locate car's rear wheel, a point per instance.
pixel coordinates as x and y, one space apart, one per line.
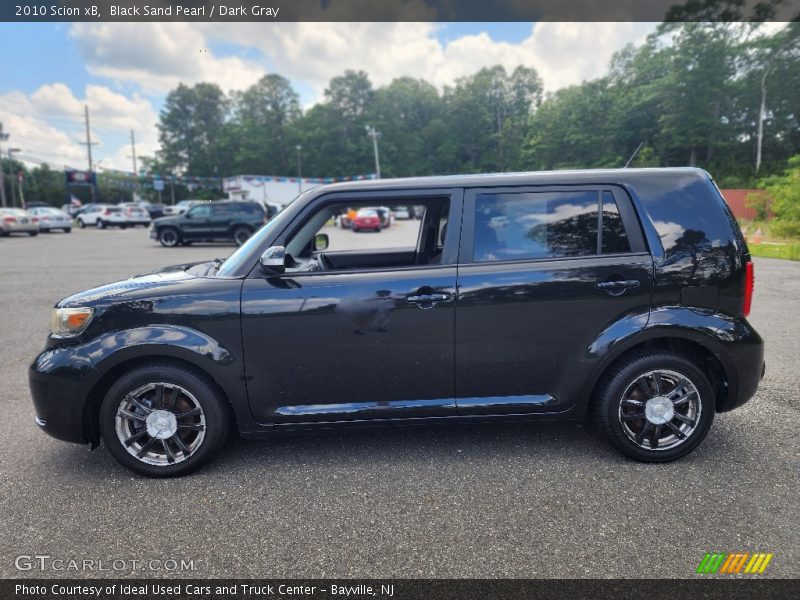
655 406
169 237
101 224
33 233
241 235
68 230
81 224
164 420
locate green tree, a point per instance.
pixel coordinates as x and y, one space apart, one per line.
784 190
487 114
190 126
408 112
260 134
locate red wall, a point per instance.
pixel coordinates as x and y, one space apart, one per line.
737 200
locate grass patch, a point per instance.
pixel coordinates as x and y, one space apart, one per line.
786 251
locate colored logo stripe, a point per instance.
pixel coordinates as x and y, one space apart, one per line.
721 562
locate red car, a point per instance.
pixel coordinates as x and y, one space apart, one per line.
366 218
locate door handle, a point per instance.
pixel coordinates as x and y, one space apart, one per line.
617 287
426 301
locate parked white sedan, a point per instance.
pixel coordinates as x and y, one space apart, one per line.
16 220
52 218
102 216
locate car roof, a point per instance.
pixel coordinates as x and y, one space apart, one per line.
566 177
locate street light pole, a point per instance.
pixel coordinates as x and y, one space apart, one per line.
3 138
299 149
375 134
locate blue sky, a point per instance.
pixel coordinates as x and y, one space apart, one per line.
124 71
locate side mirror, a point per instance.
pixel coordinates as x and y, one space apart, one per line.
274 259
321 242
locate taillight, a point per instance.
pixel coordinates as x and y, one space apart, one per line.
9 219
749 283
35 220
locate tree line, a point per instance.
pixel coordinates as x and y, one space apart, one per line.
722 96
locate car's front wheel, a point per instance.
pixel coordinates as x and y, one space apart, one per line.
241 235
164 420
169 237
655 406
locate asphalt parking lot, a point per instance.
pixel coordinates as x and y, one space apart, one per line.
493 501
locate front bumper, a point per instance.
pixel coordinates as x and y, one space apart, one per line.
60 382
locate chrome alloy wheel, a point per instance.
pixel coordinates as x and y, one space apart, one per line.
160 424
660 410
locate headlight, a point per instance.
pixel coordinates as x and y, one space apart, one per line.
69 322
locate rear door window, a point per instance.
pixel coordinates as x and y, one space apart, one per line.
543 225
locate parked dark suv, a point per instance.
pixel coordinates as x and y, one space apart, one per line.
617 295
210 222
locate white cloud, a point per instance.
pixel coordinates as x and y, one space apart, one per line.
49 124
562 53
158 56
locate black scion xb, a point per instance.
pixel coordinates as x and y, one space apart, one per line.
620 296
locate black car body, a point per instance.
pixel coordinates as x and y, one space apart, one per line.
210 222
617 295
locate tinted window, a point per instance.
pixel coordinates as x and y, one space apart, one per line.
528 225
614 237
200 211
250 209
222 210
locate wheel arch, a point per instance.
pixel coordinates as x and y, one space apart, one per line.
99 390
686 343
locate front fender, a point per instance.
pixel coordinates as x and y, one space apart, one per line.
115 347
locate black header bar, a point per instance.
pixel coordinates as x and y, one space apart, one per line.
397 10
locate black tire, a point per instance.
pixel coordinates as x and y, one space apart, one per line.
169 237
202 393
33 233
241 235
68 230
44 230
81 224
101 224
627 390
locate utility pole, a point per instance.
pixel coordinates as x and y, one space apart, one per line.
89 143
3 138
133 154
299 149
375 134
11 175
